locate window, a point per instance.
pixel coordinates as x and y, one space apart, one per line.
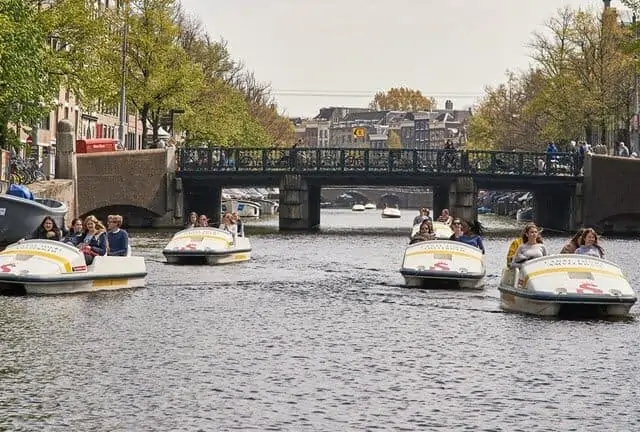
66 113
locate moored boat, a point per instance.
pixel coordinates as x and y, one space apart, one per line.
370 206
442 230
357 208
566 284
21 216
526 214
429 263
53 267
207 245
245 209
391 213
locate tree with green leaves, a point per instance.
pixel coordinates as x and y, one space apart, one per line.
159 74
27 88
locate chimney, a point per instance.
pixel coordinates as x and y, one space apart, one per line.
448 105
607 4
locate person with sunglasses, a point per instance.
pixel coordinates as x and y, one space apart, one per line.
462 232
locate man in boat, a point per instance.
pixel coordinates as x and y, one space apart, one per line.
424 215
117 238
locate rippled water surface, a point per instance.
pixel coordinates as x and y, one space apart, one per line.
315 333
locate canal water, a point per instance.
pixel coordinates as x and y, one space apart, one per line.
315 333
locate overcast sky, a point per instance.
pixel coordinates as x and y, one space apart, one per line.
340 52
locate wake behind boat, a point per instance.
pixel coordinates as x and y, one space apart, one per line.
573 284
206 245
428 262
442 230
53 267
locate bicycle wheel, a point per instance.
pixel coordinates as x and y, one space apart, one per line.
38 176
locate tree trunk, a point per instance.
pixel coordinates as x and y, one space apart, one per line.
144 118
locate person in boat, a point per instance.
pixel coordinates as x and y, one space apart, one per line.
203 221
236 220
75 235
48 230
445 217
193 220
589 244
425 233
117 238
94 239
462 232
424 215
573 244
228 225
515 244
531 247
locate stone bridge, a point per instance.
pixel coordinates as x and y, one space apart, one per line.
143 187
138 184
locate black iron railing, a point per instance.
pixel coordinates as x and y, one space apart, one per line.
339 160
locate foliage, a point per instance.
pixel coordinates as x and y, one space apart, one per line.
402 99
26 86
233 109
580 87
393 141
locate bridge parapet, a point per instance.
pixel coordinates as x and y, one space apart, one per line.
357 160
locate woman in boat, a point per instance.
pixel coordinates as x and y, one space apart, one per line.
193 220
75 235
590 246
573 244
228 225
94 239
203 221
531 247
236 220
445 217
515 244
48 230
462 232
425 233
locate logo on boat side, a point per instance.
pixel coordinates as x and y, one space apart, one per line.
6 268
440 266
588 288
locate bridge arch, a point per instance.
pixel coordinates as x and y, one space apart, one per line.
620 222
132 215
358 197
389 199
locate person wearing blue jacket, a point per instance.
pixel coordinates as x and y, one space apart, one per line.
117 237
462 232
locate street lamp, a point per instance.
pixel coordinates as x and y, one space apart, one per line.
123 84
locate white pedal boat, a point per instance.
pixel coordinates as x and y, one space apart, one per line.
53 267
429 262
206 246
567 283
357 208
370 206
442 230
391 213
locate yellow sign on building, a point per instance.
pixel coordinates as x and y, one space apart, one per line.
359 132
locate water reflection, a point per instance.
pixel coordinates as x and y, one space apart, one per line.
315 333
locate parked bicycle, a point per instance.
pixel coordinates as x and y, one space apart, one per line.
26 171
